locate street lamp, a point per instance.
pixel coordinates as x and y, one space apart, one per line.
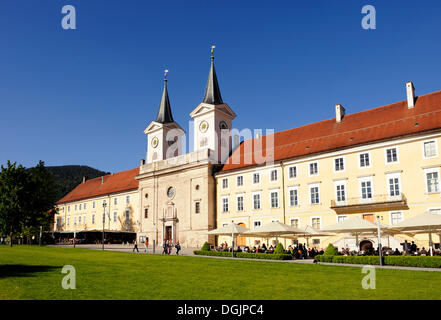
104 218
379 239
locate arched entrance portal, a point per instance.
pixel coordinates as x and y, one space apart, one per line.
366 246
241 241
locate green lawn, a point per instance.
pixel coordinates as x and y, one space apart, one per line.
35 273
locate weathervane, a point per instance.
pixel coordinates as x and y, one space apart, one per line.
212 51
165 74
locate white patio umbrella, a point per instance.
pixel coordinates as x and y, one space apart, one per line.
273 229
355 226
230 229
309 232
424 223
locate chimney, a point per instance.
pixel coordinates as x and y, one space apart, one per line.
84 179
102 179
339 112
410 90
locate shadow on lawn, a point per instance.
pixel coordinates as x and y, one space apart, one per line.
22 270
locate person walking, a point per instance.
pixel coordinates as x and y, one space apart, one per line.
169 247
135 243
164 247
146 244
178 248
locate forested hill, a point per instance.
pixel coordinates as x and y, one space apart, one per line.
68 177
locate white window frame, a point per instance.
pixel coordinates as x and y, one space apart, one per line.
341 216
271 175
237 202
365 179
424 151
385 155
431 170
115 216
393 176
224 183
344 164
227 203
260 200
93 218
309 169
254 221
396 211
359 160
339 183
314 185
294 219
316 217
115 201
278 198
289 196
289 173
239 177
257 174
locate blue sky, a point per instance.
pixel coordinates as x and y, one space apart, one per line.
85 96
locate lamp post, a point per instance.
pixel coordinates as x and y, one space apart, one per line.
379 239
75 232
104 218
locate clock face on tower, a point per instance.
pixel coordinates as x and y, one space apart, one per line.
171 192
155 142
223 125
203 126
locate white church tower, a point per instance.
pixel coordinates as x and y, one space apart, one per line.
164 134
213 120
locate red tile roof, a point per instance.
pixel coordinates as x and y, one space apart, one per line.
391 121
117 182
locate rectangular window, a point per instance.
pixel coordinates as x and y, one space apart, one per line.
394 186
256 224
76 208
435 211
239 203
341 218
197 207
293 198
75 221
432 182
274 199
340 192
115 216
292 172
295 223
256 201
239 181
115 201
79 219
68 221
146 213
366 189
127 199
84 206
93 205
225 204
315 195
339 164
224 183
127 215
80 207
391 155
274 175
315 223
68 208
395 218
429 149
313 169
364 160
93 218
256 178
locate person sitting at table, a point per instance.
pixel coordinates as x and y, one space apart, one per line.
423 252
264 247
396 252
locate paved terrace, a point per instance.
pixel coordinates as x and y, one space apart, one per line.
189 252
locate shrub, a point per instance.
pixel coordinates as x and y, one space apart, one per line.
205 247
279 249
403 261
244 255
331 250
